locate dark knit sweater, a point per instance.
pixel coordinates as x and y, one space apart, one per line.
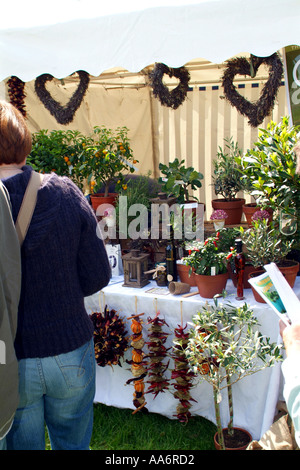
63 261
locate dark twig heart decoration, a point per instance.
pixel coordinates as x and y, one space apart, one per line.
256 112
175 97
63 114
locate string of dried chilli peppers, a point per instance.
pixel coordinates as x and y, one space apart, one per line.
138 365
16 93
182 375
157 353
110 341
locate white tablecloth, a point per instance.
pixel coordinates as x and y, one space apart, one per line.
255 397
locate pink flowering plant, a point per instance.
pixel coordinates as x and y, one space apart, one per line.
219 214
260 215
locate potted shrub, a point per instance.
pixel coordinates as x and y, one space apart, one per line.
227 182
58 151
269 168
179 179
208 263
225 346
265 244
106 159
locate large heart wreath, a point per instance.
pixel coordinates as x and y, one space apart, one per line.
256 112
63 114
175 97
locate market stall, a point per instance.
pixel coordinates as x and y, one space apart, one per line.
260 392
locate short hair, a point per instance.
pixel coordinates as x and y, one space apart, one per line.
15 137
297 152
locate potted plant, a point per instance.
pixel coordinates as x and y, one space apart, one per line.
227 182
179 179
208 263
219 217
58 151
106 160
269 168
265 244
225 346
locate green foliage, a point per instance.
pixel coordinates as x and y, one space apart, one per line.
264 243
99 159
227 177
179 179
106 158
208 255
58 151
225 346
269 169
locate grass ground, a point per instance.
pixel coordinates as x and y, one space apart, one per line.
119 429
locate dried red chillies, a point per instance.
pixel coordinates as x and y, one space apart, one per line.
182 375
110 341
157 354
16 93
138 365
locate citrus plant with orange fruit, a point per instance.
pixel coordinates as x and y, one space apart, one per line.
58 151
224 346
106 159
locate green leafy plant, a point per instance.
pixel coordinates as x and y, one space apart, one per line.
269 170
208 255
227 177
264 243
106 159
225 346
179 179
58 151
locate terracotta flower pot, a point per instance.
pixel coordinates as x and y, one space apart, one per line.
183 273
209 286
256 295
239 441
233 208
249 209
289 269
99 199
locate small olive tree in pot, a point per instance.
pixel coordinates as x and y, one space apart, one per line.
224 346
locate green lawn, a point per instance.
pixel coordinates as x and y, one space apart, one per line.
119 429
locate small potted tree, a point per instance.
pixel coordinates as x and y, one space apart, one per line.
105 160
269 170
227 182
225 346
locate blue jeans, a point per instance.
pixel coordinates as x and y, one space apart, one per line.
58 391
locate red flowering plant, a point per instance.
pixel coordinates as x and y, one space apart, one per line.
209 258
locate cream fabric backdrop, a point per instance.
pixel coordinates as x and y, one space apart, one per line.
157 133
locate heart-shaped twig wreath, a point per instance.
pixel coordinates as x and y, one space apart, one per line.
175 97
63 114
256 112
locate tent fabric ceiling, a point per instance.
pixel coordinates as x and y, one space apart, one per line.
214 30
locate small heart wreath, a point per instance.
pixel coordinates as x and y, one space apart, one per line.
256 112
173 98
16 93
63 114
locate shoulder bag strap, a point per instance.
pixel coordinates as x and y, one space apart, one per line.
28 205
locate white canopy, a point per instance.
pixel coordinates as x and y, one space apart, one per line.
62 37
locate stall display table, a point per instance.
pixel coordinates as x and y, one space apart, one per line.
255 397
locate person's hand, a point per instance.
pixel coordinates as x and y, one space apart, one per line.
291 337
